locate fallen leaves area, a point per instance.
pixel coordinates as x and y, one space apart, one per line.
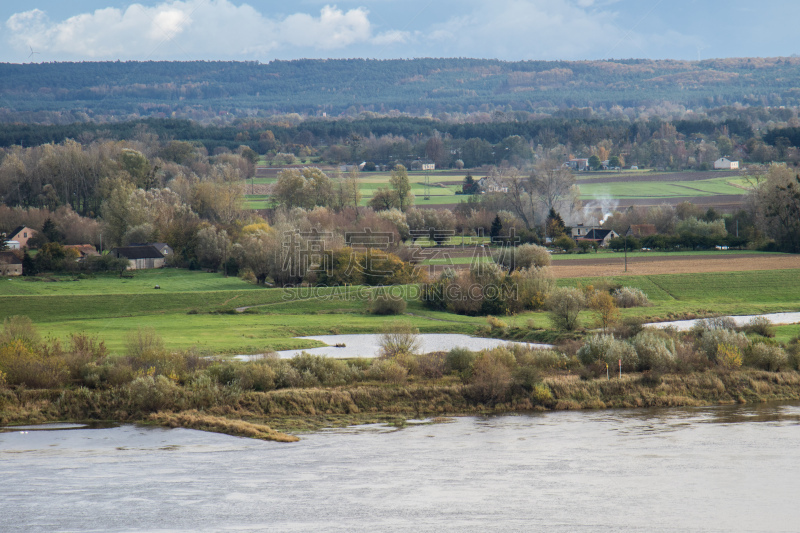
643 266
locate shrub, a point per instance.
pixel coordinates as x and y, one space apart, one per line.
565 304
710 340
523 256
766 357
539 358
630 327
655 350
491 375
431 365
387 370
534 284
387 305
759 325
630 297
565 243
23 365
459 360
399 338
713 324
606 308
729 356
607 349
526 377
322 370
20 328
149 394
258 376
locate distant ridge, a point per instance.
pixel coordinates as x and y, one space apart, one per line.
201 89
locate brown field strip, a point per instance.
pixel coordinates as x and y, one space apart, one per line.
644 266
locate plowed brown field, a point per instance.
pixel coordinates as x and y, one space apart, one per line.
642 266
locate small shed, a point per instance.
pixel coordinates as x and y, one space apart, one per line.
723 163
10 264
140 257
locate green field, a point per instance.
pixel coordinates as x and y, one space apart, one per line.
673 186
666 189
198 309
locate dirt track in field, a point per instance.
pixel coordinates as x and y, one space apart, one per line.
643 266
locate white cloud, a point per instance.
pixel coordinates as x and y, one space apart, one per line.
188 29
541 29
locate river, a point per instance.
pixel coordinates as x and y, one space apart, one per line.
716 469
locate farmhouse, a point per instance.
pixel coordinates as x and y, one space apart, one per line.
490 184
418 164
723 163
10 264
140 257
21 234
600 236
578 164
579 230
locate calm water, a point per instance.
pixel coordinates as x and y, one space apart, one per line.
710 469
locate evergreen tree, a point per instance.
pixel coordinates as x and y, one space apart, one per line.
497 227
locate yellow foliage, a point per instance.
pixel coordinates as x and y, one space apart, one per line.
255 228
729 356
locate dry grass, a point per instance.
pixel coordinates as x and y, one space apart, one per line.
204 422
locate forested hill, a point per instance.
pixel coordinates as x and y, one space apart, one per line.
68 92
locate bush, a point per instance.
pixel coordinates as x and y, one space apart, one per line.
534 285
607 349
565 243
257 375
712 324
759 325
710 340
630 327
23 365
387 370
459 360
320 370
630 297
565 304
729 356
399 338
491 375
150 394
387 305
655 350
523 256
431 365
766 357
20 328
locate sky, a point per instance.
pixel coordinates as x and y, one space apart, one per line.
264 30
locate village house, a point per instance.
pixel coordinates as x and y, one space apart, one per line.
140 256
580 231
21 234
419 164
577 164
490 184
10 264
723 163
601 237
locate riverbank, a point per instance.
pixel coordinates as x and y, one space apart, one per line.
281 414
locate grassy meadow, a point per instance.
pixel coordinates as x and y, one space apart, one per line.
199 309
444 184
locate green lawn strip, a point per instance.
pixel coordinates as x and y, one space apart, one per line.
710 187
143 281
244 333
787 333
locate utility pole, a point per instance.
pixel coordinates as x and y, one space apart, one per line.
626 250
